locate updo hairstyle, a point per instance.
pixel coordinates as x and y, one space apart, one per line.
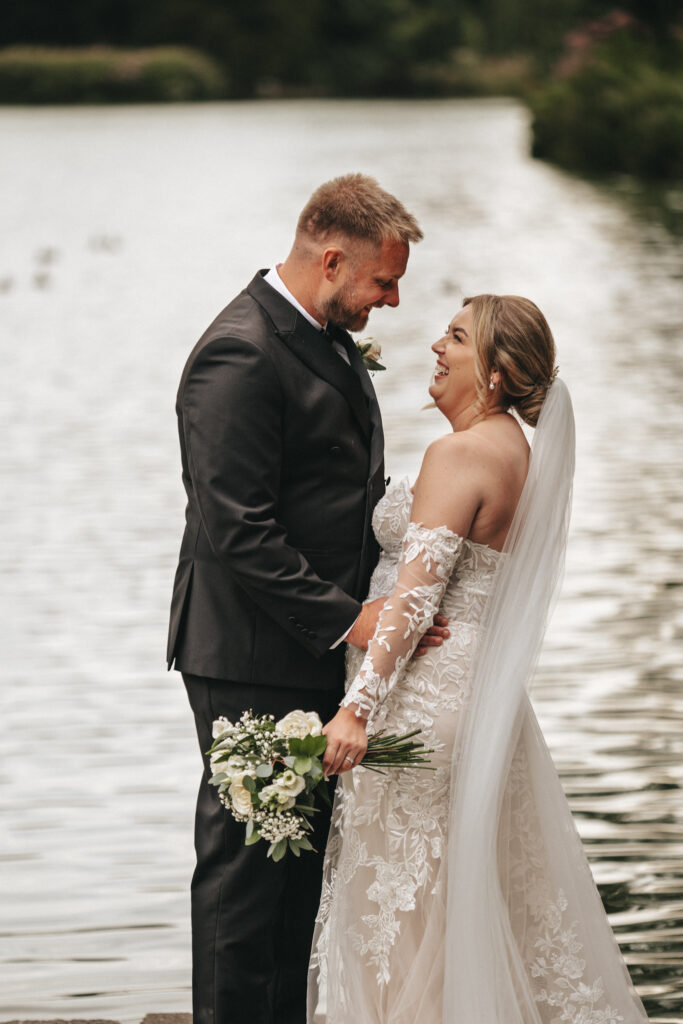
511 335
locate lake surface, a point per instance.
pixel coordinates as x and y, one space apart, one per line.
123 232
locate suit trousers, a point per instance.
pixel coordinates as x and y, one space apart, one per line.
252 919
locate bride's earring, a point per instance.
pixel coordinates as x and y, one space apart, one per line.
491 384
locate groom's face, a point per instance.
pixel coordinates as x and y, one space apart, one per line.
368 280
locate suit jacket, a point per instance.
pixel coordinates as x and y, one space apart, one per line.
282 455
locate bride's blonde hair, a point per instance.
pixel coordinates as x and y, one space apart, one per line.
511 335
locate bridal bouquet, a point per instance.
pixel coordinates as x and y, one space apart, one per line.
269 773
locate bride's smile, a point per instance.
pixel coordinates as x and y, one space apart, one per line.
454 352
453 386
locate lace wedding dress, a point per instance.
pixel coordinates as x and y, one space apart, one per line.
390 946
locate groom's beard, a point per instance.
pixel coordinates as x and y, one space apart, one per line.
341 310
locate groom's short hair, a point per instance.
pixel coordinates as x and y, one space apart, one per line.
356 206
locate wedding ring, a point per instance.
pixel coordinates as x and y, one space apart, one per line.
349 759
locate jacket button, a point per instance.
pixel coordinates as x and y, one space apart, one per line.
335 450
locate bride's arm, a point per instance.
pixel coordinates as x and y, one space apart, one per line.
447 496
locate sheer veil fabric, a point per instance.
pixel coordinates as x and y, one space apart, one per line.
527 940
463 895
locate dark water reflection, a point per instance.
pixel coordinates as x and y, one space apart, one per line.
124 231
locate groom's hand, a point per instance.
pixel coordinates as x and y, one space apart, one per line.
434 636
363 629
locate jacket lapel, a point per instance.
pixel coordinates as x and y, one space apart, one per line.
316 352
358 366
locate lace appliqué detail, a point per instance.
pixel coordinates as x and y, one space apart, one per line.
559 962
384 873
428 559
394 874
552 950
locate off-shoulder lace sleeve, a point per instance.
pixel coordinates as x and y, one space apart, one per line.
428 558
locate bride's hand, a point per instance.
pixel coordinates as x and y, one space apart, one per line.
347 742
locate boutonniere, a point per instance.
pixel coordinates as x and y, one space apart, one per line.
370 351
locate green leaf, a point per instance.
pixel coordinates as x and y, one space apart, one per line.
296 747
289 761
250 827
253 838
249 783
304 844
314 776
294 848
264 771
311 746
321 790
278 850
302 765
306 808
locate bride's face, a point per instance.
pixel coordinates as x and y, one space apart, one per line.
453 386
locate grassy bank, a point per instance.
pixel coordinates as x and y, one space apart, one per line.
39 75
614 104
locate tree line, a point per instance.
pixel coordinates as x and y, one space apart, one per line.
314 47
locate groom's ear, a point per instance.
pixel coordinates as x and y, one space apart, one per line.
332 261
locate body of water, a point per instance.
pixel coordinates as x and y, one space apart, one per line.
124 231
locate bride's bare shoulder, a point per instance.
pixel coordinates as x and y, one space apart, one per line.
451 483
470 480
487 444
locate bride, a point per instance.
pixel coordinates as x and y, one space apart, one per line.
462 895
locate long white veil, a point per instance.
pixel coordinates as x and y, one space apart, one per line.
527 940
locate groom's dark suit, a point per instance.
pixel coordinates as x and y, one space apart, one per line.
281 445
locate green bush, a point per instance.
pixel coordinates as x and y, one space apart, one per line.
105 75
619 111
469 73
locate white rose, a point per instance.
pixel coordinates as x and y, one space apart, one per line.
375 351
240 798
222 727
299 724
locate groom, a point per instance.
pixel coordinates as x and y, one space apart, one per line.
282 458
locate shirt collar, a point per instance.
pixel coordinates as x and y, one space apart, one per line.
275 281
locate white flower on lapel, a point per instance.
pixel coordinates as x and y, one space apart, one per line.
370 351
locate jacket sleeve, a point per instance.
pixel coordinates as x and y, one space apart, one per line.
230 407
